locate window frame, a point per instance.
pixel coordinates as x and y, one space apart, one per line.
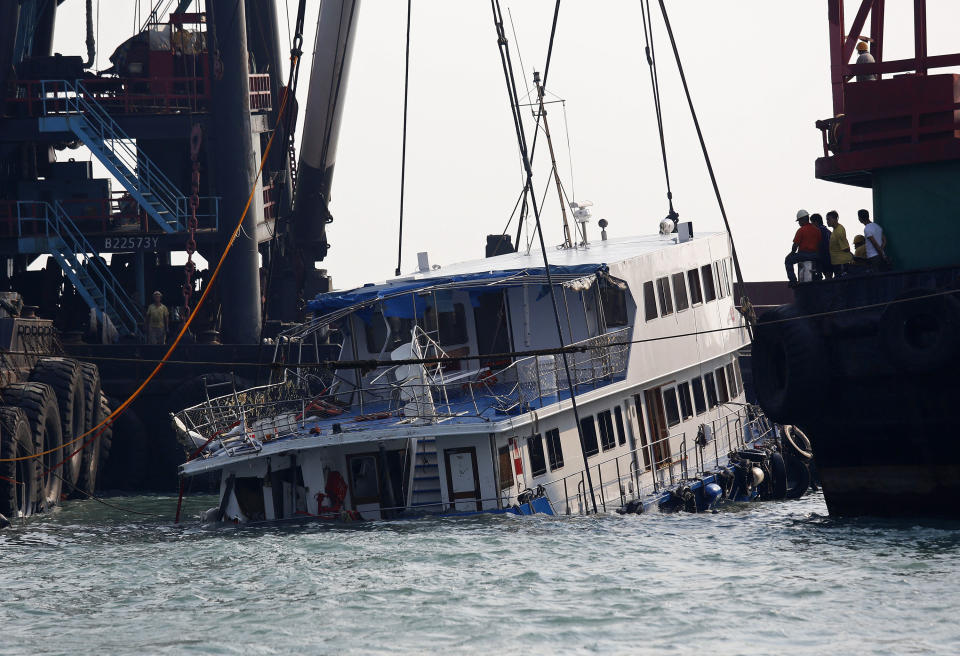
532 457
608 439
614 318
699 400
618 422
680 291
665 296
554 449
693 283
709 292
672 390
723 391
650 301
711 389
588 427
683 396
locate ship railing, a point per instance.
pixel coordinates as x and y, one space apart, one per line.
652 468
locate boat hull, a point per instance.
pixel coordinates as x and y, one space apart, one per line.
874 387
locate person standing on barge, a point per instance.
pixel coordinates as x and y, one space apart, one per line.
157 320
876 242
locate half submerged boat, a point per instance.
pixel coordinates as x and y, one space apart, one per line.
451 396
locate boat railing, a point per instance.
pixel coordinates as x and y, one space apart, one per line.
651 468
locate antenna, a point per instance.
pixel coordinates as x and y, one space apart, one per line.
567 242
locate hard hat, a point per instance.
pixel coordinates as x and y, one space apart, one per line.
862 46
803 214
157 293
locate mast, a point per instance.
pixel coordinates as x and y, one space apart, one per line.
567 242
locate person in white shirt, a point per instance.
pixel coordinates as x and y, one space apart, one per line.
876 242
865 58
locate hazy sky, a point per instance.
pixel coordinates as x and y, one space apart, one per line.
758 71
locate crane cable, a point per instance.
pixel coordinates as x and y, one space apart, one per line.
650 52
525 154
183 330
703 146
403 156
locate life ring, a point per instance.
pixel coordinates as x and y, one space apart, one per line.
788 360
800 443
919 330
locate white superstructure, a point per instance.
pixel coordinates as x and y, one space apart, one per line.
654 367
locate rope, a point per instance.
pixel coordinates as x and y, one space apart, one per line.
403 156
655 86
512 91
703 145
183 330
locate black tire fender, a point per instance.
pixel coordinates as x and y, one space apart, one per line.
66 378
90 457
39 403
788 359
919 331
19 480
798 476
778 476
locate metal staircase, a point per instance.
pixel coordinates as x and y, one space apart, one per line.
80 262
70 107
425 476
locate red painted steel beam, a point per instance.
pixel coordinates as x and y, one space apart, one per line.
857 28
876 30
903 65
837 63
920 35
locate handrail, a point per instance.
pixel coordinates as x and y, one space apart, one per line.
56 219
144 175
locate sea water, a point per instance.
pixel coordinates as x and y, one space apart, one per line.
765 578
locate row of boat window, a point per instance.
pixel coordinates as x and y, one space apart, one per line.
690 288
606 431
701 393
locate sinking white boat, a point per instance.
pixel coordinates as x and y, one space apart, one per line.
452 395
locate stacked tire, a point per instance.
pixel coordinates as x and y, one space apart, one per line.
38 403
19 470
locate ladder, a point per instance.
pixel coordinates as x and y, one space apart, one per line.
424 476
87 271
70 107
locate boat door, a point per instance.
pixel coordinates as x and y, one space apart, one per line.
658 426
463 479
365 484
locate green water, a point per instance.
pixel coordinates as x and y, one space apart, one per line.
772 578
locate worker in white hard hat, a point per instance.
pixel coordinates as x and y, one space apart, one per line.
865 58
806 245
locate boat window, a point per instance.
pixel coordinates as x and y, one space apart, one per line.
491 324
618 418
722 386
365 483
699 403
505 465
449 324
642 432
377 332
732 381
723 289
589 429
728 276
663 293
686 406
680 292
696 295
711 390
736 376
614 302
709 291
670 405
607 439
554 449
538 465
649 301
